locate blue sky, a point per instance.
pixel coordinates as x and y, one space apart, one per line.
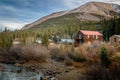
16 13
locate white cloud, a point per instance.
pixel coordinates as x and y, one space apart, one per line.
71 3
20 17
8 8
24 15
76 3
12 25
14 9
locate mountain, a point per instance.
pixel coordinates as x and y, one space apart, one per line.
92 11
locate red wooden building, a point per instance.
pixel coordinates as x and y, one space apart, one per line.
84 36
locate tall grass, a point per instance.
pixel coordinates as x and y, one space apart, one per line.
37 53
100 61
21 54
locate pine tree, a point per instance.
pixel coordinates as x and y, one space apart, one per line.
104 57
45 41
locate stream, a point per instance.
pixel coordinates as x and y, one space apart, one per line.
11 72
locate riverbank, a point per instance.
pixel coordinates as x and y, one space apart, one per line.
11 72
48 70
54 69
64 62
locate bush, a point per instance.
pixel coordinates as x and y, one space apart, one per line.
118 48
21 54
69 62
110 49
29 53
57 54
79 55
97 72
104 57
77 65
117 57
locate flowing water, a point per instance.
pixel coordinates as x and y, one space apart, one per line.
11 72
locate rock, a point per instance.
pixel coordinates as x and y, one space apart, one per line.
53 78
17 64
1 68
49 78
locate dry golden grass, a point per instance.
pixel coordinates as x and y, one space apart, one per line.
77 65
21 54
38 53
117 57
118 48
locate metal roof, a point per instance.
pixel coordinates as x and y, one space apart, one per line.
67 40
117 35
86 32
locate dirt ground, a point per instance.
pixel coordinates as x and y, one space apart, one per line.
57 70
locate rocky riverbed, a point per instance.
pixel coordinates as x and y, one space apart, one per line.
50 70
11 72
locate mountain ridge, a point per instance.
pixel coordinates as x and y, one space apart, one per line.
90 11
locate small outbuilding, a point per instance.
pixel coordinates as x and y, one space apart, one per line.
115 39
69 41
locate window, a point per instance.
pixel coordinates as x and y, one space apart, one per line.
88 36
80 36
93 36
96 36
115 39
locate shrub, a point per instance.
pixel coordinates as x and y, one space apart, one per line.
21 54
97 72
114 71
117 57
34 53
78 55
4 56
110 49
15 52
77 65
118 48
104 57
57 54
92 54
69 62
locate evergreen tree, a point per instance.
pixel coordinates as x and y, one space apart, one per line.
45 41
104 57
6 40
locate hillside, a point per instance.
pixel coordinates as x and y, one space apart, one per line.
92 11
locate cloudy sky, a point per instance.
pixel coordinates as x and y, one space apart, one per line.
16 13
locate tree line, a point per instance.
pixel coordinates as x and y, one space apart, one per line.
108 27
